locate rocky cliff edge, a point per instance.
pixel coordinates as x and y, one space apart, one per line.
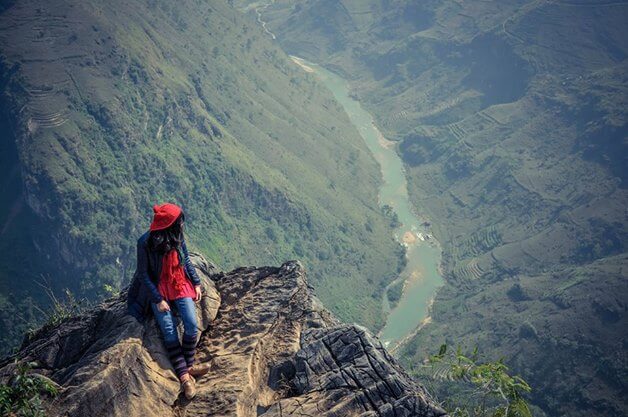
274 351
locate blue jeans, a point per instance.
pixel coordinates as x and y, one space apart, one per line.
168 321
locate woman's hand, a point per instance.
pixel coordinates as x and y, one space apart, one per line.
197 288
163 306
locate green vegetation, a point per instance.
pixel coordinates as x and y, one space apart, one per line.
58 310
511 119
146 102
394 293
474 389
392 215
21 397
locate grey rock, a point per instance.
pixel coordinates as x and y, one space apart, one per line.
344 371
273 348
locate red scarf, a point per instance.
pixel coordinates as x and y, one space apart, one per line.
172 274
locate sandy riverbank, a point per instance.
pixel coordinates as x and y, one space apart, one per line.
300 63
385 143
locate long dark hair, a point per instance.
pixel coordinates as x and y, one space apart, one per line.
162 241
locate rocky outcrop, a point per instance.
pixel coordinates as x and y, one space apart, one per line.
274 350
344 371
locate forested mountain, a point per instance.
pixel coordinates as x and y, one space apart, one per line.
111 107
511 120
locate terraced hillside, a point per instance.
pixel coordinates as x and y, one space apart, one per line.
511 119
111 107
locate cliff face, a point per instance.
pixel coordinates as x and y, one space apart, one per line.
274 351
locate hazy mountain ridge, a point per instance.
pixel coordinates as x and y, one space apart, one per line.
109 108
511 119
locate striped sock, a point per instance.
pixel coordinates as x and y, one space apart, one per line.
176 358
189 348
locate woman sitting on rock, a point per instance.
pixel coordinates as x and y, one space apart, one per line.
167 280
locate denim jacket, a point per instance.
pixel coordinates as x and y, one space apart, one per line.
143 289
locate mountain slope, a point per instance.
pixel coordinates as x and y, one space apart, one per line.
109 108
511 120
274 350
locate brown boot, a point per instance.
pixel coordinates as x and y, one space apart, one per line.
198 369
189 387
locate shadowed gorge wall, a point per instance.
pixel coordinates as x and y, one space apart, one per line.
511 119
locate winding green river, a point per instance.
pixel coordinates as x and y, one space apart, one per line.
421 277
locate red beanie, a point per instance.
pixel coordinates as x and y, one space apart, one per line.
164 216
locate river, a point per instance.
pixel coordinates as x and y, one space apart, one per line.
421 277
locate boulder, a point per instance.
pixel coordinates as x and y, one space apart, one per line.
273 348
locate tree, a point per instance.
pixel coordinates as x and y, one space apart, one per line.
22 395
483 389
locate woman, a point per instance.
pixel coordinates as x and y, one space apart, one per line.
167 281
